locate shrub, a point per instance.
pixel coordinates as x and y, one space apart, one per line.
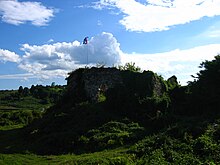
161 147
18 117
113 134
206 148
130 67
156 157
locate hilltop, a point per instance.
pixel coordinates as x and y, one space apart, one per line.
149 119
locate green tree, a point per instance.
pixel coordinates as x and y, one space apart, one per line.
20 90
53 84
205 91
26 91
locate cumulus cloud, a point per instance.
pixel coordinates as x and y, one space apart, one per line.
105 49
59 58
159 15
16 13
6 55
182 63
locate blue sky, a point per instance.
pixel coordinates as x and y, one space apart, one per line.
41 41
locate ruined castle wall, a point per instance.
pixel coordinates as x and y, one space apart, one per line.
91 81
97 79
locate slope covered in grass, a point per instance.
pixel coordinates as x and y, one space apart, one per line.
139 118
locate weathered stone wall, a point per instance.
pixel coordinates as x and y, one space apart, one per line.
157 86
96 79
89 82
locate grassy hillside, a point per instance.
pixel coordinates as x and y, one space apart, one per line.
144 120
110 157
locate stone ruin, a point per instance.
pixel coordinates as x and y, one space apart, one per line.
92 81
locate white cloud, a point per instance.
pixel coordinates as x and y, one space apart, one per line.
6 55
59 58
104 48
102 4
16 13
212 32
50 40
159 15
18 76
182 63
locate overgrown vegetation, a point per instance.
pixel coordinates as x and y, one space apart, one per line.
128 124
15 117
130 66
22 106
36 98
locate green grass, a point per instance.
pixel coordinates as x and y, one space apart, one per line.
28 102
14 145
11 127
107 157
16 159
7 108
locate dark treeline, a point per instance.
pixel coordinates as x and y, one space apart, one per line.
47 94
22 106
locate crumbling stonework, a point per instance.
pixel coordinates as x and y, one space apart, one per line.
157 86
88 83
97 79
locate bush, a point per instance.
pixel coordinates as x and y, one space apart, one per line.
111 134
156 157
164 149
207 146
18 117
130 67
